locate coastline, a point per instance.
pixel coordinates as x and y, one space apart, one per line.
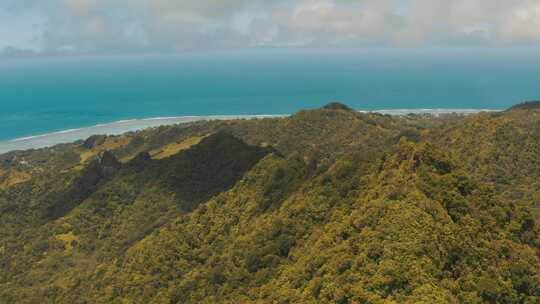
113 128
130 125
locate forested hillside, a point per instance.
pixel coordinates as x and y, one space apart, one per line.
324 206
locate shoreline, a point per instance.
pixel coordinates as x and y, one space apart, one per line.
131 125
112 128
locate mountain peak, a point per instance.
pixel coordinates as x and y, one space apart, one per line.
337 106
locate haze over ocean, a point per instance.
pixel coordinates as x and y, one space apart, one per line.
40 95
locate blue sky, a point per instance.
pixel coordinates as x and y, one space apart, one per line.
169 26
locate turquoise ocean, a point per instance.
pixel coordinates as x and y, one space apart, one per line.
42 95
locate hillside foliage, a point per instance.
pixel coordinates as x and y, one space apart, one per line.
324 206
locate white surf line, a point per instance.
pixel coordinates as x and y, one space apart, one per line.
131 125
113 128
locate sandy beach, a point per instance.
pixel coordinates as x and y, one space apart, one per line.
123 126
114 128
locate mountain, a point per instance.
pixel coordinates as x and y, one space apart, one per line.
526 106
325 206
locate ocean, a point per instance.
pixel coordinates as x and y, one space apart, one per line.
44 95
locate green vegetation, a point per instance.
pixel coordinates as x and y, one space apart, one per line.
325 206
337 106
528 105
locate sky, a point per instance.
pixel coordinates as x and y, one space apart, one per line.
170 26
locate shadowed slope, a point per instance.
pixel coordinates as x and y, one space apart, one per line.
97 213
210 167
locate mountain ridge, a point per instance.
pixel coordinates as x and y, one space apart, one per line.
326 206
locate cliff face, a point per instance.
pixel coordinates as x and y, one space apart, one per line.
325 206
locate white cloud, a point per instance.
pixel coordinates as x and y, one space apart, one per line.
175 25
522 24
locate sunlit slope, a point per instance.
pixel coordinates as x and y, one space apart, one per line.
502 149
412 227
324 206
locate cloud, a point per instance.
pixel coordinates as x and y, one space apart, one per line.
10 51
109 26
522 24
